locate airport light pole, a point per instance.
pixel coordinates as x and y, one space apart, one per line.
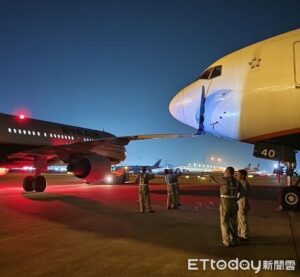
216 161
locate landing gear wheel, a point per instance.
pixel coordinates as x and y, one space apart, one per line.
40 183
28 183
290 198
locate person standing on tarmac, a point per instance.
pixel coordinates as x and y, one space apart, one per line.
229 189
170 189
176 188
144 192
243 204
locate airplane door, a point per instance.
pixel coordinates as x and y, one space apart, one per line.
297 63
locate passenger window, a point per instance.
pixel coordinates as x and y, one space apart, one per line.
217 72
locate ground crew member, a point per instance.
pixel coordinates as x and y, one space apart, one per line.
177 190
243 228
170 189
229 189
144 192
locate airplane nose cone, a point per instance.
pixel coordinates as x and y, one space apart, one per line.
176 107
185 106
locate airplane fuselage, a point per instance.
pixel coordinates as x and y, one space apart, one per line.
251 95
26 136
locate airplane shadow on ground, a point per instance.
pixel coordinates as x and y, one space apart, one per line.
84 203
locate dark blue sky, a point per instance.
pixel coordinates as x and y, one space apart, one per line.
117 64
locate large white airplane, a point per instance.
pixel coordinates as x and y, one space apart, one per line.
251 95
88 153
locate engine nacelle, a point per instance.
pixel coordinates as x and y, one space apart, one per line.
90 168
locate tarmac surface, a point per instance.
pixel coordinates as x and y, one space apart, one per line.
75 229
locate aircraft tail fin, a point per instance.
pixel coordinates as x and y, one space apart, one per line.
157 163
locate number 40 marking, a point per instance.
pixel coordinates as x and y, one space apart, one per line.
269 153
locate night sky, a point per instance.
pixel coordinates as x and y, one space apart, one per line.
115 65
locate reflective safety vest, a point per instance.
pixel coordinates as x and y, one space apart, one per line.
170 179
145 177
231 189
142 179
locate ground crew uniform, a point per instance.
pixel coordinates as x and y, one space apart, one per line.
144 192
229 189
170 191
176 187
243 228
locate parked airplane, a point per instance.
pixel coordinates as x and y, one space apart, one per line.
120 173
88 153
251 95
138 168
248 167
257 167
252 170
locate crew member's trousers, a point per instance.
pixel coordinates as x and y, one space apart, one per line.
243 227
177 194
144 198
228 218
171 196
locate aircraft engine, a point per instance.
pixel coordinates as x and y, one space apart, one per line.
90 168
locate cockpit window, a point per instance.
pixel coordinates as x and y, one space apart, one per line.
205 75
217 72
211 73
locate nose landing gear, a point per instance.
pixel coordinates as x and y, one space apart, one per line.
290 195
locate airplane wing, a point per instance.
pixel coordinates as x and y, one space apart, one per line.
127 139
99 146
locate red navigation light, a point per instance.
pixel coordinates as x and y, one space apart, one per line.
22 114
